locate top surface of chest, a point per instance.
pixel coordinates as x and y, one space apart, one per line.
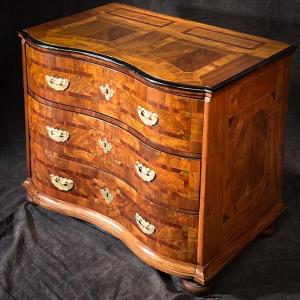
161 48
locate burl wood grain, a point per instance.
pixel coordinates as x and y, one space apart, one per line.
180 119
164 47
175 233
177 179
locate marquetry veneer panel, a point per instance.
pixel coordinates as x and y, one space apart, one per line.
177 180
175 233
180 119
167 48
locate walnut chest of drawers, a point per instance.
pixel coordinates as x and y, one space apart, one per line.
166 133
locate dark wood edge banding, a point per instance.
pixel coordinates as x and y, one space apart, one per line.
150 257
117 123
151 79
25 90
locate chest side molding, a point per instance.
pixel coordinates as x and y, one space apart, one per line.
161 49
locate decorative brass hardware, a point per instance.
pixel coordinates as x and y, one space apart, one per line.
143 172
61 183
105 145
108 197
58 135
58 84
147 117
106 91
145 226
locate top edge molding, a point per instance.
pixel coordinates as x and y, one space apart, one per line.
206 91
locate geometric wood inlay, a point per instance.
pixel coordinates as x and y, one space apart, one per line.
98 30
167 48
220 37
188 59
247 146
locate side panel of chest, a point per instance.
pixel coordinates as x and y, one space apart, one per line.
242 164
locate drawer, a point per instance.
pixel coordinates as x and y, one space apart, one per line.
167 232
165 120
172 181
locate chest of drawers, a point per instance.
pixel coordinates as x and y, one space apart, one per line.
166 133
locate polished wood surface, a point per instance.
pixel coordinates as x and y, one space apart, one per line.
164 47
164 263
175 233
180 119
241 164
213 146
177 179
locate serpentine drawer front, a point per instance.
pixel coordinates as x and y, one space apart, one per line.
175 182
164 119
166 133
175 233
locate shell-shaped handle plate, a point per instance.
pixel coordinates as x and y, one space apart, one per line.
144 173
147 117
107 195
56 83
105 145
145 226
106 91
58 135
63 184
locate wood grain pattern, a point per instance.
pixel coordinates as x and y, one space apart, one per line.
25 89
240 184
166 48
175 233
180 119
177 179
163 263
221 102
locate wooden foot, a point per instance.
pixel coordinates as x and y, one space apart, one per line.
197 289
272 229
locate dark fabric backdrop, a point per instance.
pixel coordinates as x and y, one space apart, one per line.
44 255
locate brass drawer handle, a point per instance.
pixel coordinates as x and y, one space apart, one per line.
58 135
105 145
106 91
145 226
56 83
147 117
63 184
106 194
143 172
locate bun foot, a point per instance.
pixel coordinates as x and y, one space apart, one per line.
272 229
197 289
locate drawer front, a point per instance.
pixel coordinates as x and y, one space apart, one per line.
162 178
167 232
164 119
